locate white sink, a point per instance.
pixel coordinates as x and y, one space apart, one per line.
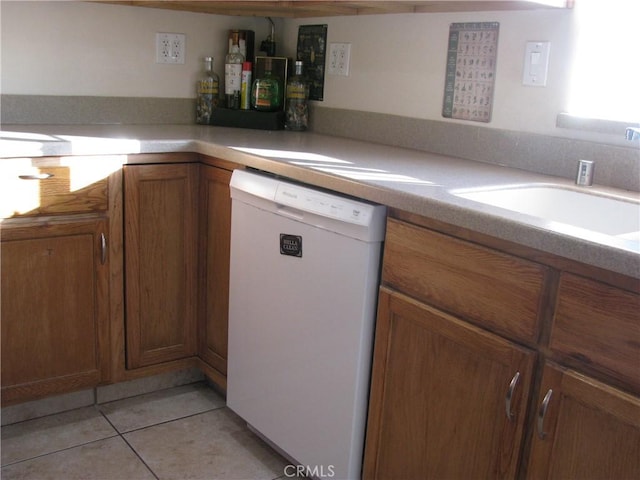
613 216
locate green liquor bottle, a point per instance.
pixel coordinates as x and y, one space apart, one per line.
265 92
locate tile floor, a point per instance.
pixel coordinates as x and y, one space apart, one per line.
179 433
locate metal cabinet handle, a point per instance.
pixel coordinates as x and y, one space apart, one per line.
36 176
542 411
103 248
512 387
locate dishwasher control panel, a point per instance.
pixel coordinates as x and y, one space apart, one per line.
312 201
322 208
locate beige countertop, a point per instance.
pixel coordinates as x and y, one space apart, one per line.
415 181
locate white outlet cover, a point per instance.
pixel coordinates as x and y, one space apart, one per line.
339 57
170 48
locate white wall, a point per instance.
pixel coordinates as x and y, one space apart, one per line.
397 61
398 65
78 48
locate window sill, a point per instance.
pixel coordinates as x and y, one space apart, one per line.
601 131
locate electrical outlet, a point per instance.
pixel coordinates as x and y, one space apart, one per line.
339 56
170 48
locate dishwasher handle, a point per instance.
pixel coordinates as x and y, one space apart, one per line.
289 212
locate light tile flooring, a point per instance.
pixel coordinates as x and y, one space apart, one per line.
180 433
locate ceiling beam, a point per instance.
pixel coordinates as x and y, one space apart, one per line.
319 8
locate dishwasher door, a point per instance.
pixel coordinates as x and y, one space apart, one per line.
301 320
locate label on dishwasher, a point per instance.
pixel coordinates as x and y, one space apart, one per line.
319 203
291 245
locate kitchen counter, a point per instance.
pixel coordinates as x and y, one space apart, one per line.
410 180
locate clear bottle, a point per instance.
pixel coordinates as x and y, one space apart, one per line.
208 93
297 96
266 90
233 74
245 87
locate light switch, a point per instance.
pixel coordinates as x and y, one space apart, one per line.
536 64
535 58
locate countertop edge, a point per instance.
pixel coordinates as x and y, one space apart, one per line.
217 142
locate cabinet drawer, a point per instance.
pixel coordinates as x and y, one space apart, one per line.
53 186
599 325
492 289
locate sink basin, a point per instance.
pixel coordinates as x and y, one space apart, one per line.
614 216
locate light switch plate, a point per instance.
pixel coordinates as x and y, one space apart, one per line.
536 64
339 56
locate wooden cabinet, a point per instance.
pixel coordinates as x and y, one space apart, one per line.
215 237
55 264
55 308
54 186
160 215
588 416
598 325
584 429
453 316
448 399
492 289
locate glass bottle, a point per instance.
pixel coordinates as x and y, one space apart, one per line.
296 106
208 92
233 74
265 92
245 86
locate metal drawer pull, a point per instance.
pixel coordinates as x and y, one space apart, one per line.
541 414
103 247
512 387
36 176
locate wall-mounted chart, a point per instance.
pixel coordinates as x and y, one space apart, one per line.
471 71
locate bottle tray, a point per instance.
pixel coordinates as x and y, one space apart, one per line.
224 117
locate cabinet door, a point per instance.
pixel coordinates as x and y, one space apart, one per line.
443 400
160 262
215 228
55 307
584 429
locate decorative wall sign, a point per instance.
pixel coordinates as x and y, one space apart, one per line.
471 71
312 46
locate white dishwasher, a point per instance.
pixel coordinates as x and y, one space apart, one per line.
303 288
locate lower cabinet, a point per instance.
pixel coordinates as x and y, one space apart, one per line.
586 426
455 393
55 307
160 216
448 399
215 236
584 429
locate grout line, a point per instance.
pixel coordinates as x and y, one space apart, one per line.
53 414
190 384
116 434
164 422
121 435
